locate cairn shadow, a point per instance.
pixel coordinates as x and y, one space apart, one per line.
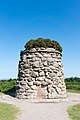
11 92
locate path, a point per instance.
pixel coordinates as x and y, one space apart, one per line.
42 111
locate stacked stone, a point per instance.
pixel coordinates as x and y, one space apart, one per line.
40 74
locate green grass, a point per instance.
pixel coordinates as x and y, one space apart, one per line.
74 112
73 86
73 91
8 112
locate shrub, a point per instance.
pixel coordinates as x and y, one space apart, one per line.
7 85
72 79
41 42
73 83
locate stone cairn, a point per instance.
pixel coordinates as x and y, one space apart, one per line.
40 74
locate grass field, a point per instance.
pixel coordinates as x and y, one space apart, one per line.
74 112
73 86
8 112
73 91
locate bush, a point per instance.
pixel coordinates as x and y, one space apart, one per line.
73 83
41 42
72 79
7 85
74 86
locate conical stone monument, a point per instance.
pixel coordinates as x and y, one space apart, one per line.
40 72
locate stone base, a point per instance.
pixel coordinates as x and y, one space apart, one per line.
56 99
40 75
41 97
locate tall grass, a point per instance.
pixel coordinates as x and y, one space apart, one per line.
74 112
8 112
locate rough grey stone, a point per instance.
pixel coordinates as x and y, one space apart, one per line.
24 57
36 64
45 63
33 50
50 60
27 75
43 59
39 55
34 74
52 67
29 91
48 81
37 59
27 87
47 55
37 83
33 87
40 74
40 78
50 49
44 83
30 83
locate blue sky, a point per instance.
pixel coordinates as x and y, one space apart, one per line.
22 20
